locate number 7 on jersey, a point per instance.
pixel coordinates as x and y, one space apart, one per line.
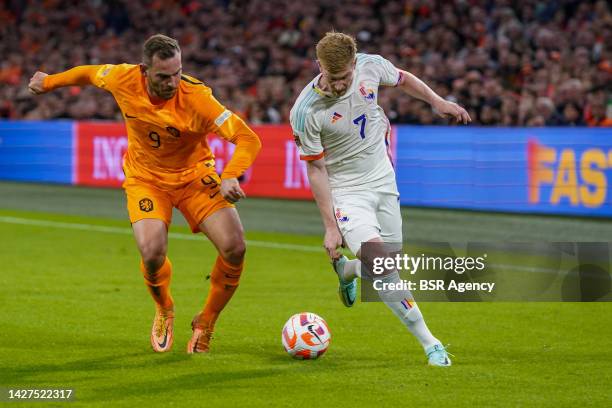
361 120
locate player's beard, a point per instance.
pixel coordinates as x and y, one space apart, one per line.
159 91
165 93
168 94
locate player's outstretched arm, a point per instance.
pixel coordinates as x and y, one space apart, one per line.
248 146
413 86
319 184
36 85
79 76
233 129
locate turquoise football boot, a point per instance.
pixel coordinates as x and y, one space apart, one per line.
438 356
346 290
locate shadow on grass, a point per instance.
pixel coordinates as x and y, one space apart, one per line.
339 360
168 385
217 374
101 364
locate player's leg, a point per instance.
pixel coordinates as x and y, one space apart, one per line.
356 220
152 240
402 302
224 229
150 212
207 211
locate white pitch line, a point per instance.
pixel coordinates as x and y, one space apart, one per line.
519 268
193 237
128 231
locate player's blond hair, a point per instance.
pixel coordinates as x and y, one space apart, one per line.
336 51
162 46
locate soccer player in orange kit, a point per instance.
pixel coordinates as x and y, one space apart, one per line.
168 164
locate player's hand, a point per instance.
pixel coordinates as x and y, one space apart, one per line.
36 83
450 110
231 191
332 241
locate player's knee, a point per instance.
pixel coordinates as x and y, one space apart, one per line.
234 250
153 257
152 264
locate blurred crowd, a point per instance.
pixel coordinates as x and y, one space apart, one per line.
509 62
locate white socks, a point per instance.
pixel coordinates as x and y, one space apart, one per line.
400 302
407 311
352 270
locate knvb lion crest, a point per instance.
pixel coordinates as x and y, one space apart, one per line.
146 205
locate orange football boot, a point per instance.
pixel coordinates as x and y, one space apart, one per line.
162 332
202 334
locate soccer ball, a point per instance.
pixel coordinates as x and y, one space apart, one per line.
306 336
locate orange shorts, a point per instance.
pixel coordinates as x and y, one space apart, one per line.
196 200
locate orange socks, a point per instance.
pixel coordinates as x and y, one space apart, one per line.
223 283
159 284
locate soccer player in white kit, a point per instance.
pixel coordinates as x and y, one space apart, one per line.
343 135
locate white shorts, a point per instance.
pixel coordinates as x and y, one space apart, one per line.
363 215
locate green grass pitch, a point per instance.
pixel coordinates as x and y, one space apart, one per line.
76 314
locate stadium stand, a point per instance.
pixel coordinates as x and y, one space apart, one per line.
511 63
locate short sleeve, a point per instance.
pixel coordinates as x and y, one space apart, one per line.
386 73
307 135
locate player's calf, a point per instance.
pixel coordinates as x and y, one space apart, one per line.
158 283
224 281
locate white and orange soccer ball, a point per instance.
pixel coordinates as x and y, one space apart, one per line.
306 336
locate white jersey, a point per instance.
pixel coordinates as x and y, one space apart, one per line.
351 131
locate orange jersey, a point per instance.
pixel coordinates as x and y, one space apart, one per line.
167 142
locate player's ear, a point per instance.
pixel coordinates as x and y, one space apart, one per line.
319 65
143 68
